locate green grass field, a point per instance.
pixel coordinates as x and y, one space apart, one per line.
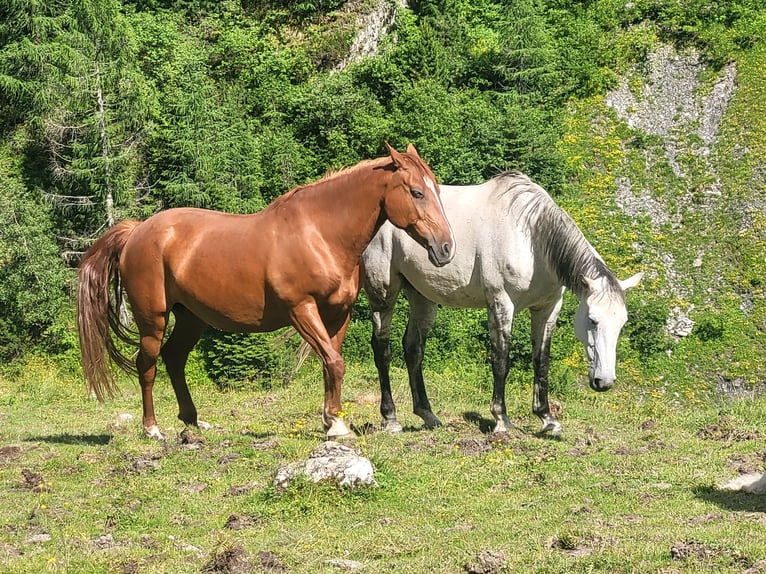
631 486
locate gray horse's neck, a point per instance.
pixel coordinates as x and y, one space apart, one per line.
552 230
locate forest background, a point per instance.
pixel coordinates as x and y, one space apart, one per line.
114 109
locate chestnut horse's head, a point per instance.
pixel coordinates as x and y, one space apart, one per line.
413 204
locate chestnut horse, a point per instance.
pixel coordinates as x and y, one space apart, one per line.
297 262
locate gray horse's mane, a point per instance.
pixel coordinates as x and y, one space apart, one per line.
554 232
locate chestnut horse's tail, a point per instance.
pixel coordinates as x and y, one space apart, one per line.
99 300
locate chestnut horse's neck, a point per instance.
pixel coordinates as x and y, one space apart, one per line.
346 207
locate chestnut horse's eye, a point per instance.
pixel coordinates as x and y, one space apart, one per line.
417 194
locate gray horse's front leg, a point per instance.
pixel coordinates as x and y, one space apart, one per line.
543 322
381 350
500 322
421 320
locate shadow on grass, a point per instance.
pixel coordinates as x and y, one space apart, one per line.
72 439
730 500
486 425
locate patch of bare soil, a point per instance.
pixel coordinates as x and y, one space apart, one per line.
191 440
473 446
691 550
747 463
724 430
242 489
270 562
9 453
488 562
240 521
578 546
34 481
228 560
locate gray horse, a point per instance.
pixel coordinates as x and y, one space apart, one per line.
516 250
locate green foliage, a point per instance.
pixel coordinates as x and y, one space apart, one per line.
227 105
709 327
34 284
231 359
646 326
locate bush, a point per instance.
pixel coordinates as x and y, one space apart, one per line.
646 327
232 358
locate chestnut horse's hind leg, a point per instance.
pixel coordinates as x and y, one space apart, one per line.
175 352
308 323
151 333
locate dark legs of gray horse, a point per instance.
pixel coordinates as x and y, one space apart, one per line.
421 319
543 321
419 325
381 349
500 322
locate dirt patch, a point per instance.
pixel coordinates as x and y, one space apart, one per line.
724 430
240 521
578 546
242 489
473 446
488 562
686 550
747 463
228 560
270 562
191 440
9 453
34 481
698 551
266 444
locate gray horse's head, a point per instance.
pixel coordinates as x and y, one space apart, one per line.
598 322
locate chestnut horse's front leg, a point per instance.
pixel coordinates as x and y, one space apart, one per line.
308 322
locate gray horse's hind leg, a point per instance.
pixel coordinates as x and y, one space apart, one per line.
419 325
500 322
543 321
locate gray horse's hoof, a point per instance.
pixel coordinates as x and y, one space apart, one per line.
552 427
430 421
392 426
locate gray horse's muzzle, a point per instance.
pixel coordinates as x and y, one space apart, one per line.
600 385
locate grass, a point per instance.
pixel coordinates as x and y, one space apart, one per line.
629 487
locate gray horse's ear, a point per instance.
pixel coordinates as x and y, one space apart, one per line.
588 282
631 282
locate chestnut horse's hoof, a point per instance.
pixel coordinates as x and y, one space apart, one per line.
337 429
154 432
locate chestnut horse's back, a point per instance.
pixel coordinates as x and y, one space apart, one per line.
97 312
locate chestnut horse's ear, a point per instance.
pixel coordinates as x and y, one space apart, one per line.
412 151
396 157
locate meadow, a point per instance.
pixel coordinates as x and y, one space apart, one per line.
630 486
